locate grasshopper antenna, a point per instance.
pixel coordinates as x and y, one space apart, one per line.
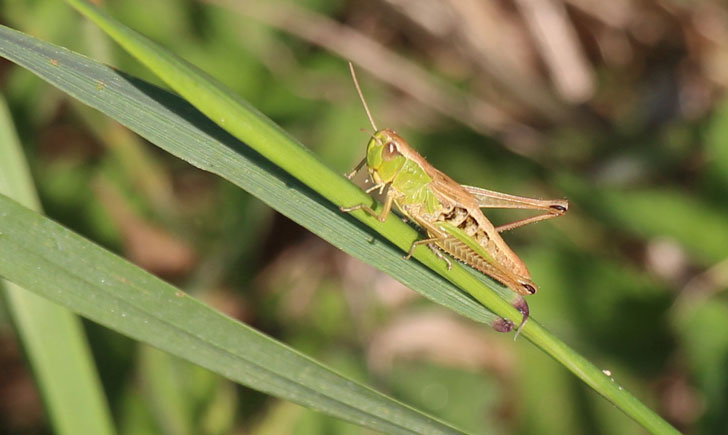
361 96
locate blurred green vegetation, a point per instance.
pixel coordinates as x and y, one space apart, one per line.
633 277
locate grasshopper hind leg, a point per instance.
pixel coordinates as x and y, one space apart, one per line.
499 324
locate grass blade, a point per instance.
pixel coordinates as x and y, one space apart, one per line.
106 289
258 132
175 126
52 337
149 110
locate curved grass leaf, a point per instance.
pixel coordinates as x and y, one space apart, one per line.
167 120
50 260
257 131
269 140
175 126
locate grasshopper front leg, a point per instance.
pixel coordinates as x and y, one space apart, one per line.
386 209
356 169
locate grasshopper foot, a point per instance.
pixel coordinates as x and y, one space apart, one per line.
432 247
520 304
439 255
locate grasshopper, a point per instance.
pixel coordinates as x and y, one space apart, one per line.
448 212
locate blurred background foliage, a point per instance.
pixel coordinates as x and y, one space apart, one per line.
618 106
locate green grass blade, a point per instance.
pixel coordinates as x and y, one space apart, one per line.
257 131
178 128
50 260
261 134
52 336
130 102
270 141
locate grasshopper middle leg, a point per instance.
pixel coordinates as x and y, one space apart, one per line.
431 244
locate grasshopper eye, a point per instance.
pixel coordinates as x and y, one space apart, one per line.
390 151
560 208
529 288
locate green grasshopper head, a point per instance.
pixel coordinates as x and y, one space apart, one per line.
384 158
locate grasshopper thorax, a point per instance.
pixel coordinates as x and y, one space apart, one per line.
384 156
